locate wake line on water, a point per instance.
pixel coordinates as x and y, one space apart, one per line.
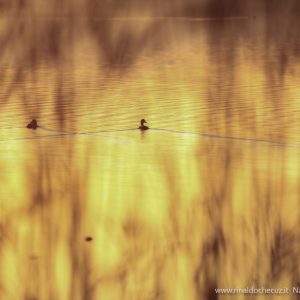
61 133
86 132
226 137
33 138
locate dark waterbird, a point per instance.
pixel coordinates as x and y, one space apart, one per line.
143 127
33 124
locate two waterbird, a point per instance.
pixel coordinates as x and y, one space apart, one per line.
34 125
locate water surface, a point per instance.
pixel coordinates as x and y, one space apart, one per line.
207 198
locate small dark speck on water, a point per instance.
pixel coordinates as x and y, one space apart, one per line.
33 257
88 239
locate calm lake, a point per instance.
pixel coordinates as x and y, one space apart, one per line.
93 208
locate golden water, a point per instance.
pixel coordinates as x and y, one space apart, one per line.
208 199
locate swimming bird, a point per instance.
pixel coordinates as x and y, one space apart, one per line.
33 124
143 127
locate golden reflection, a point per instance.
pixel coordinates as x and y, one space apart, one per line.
92 208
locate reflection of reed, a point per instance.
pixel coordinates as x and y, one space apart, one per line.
58 211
